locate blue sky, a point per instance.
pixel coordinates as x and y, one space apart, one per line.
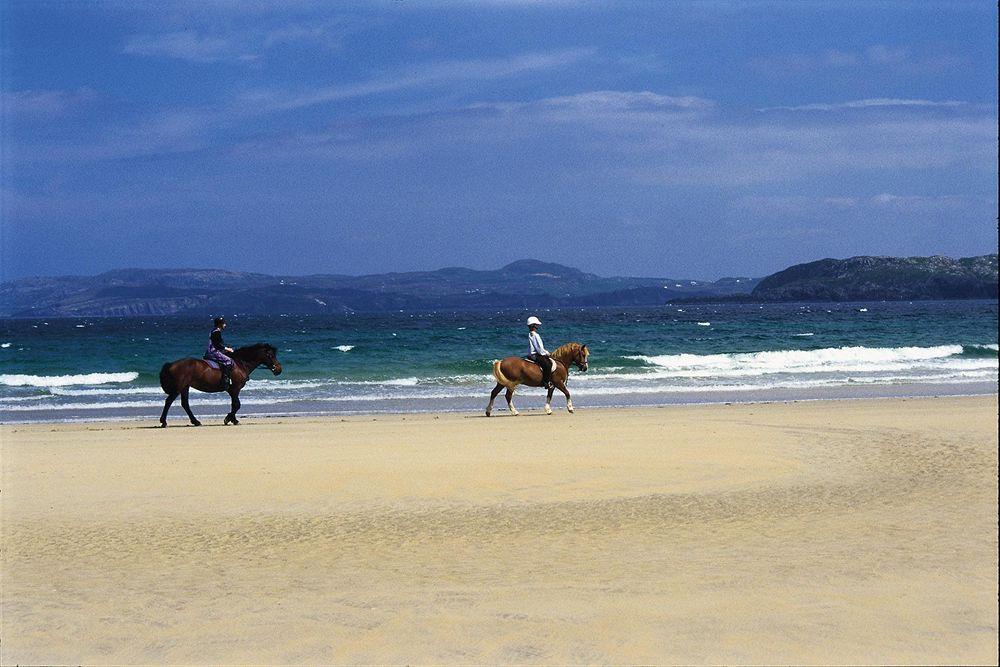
696 139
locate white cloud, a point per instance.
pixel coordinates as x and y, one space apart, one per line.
427 74
247 44
877 57
45 104
923 203
872 103
189 45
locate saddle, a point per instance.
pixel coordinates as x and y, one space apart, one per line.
212 364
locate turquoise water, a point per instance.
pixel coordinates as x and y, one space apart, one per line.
107 368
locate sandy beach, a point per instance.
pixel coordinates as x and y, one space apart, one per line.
809 533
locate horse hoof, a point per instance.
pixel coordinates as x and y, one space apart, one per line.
488 413
163 424
195 423
548 410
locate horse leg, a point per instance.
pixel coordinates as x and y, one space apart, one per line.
187 407
493 394
166 406
548 400
569 401
510 402
231 417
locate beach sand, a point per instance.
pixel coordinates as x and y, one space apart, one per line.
810 532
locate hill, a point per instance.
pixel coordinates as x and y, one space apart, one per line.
883 278
524 283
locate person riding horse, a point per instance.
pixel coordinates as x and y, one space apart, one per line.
537 352
217 352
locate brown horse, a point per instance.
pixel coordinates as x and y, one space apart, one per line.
513 371
178 377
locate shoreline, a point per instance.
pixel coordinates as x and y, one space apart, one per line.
807 533
526 402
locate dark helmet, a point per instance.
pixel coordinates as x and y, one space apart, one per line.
219 321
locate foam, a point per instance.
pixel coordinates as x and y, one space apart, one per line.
65 380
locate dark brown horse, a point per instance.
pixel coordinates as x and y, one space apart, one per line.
178 377
513 371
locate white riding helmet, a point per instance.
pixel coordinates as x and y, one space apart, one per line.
534 320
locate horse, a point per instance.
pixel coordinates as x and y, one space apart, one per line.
513 371
176 378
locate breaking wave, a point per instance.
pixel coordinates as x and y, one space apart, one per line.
66 380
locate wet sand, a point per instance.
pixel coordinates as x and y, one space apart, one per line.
820 532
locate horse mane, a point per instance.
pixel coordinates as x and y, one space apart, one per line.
566 352
247 351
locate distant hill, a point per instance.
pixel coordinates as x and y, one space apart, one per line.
525 283
883 278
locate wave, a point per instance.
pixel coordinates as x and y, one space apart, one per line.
835 359
66 380
344 348
987 351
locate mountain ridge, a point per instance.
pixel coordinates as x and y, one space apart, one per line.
526 283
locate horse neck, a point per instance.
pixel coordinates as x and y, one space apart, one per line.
565 354
247 364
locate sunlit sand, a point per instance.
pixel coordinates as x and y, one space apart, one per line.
820 532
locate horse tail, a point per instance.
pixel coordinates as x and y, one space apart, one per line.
501 378
167 379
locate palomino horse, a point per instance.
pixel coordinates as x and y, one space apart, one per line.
179 376
513 371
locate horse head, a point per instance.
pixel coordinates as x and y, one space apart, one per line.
271 359
261 354
572 353
581 358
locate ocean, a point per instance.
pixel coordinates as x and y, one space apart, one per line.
107 368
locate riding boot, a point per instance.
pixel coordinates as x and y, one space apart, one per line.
227 372
547 373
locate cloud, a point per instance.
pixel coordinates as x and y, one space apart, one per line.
189 45
881 57
621 138
877 102
626 101
45 104
600 103
426 75
794 205
813 206
246 44
926 204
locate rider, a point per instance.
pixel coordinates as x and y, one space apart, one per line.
217 351
536 350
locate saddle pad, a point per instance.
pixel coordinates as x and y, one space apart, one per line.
212 364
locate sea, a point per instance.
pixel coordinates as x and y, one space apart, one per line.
89 369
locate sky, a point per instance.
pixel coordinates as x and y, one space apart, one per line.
669 139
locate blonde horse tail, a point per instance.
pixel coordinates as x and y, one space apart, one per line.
501 378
